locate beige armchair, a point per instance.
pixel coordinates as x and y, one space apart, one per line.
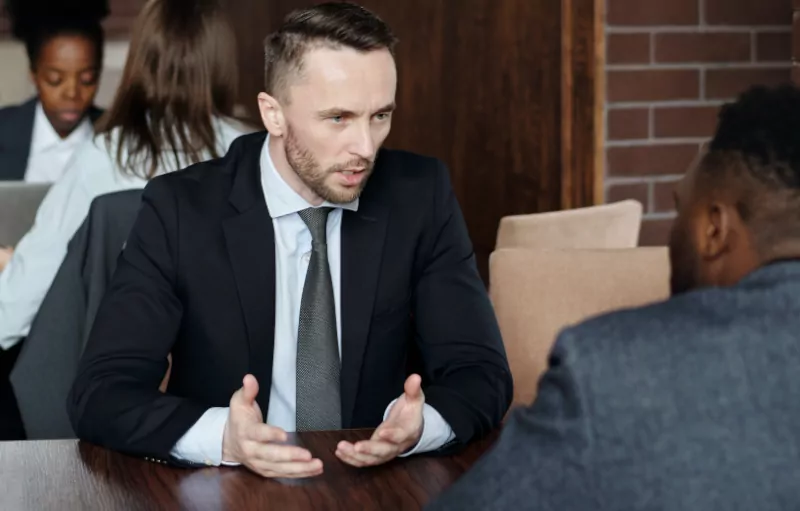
536 293
614 225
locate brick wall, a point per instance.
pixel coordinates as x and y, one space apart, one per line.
670 65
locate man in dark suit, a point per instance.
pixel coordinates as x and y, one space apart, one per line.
286 288
692 403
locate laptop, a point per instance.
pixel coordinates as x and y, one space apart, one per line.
19 202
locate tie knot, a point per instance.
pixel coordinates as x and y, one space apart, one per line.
316 219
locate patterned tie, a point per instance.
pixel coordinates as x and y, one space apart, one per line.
318 364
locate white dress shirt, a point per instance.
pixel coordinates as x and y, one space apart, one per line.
91 172
49 153
203 442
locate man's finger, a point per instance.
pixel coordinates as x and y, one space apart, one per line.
274 453
391 434
347 453
359 460
289 469
263 433
377 448
249 389
349 456
413 387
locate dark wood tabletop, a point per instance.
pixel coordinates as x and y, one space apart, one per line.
72 475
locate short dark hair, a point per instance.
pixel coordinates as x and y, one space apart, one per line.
756 149
332 24
36 25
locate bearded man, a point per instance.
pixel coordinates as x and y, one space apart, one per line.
309 280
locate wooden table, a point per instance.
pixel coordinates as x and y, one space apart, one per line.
71 475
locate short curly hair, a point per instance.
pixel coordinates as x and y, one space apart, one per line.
755 152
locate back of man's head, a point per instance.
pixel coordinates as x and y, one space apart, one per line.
739 208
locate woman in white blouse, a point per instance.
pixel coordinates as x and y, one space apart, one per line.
173 108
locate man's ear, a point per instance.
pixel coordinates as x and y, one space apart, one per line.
271 114
717 231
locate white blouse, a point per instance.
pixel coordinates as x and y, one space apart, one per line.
92 171
49 153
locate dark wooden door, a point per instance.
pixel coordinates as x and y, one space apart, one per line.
507 93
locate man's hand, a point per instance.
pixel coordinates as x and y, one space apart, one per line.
247 440
5 256
400 431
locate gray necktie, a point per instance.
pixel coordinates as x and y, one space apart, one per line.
318 365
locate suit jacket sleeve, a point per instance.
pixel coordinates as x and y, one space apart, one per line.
115 401
543 456
457 332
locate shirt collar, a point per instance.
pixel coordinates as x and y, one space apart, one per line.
45 136
281 199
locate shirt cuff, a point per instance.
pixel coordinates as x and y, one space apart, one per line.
436 432
203 442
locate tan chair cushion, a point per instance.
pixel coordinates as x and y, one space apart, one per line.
613 225
536 293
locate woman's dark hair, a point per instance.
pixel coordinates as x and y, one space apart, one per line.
181 72
36 22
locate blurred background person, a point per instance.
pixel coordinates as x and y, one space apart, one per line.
174 107
64 45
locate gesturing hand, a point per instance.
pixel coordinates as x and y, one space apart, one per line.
400 431
247 440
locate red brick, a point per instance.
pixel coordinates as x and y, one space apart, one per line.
635 191
628 123
729 83
651 159
653 85
748 12
703 47
663 198
652 12
655 233
697 121
628 48
774 46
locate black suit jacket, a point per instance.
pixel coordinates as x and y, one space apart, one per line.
197 279
16 133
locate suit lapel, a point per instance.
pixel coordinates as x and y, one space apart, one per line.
250 240
363 234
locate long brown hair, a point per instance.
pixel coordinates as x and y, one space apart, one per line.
180 72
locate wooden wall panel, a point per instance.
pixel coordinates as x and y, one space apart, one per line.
508 93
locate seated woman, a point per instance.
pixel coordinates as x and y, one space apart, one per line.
65 54
173 108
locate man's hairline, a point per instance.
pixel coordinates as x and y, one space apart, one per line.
315 44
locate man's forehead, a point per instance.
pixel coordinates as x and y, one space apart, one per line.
344 78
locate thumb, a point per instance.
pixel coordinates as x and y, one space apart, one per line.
413 388
249 389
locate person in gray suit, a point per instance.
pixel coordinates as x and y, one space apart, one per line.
692 403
